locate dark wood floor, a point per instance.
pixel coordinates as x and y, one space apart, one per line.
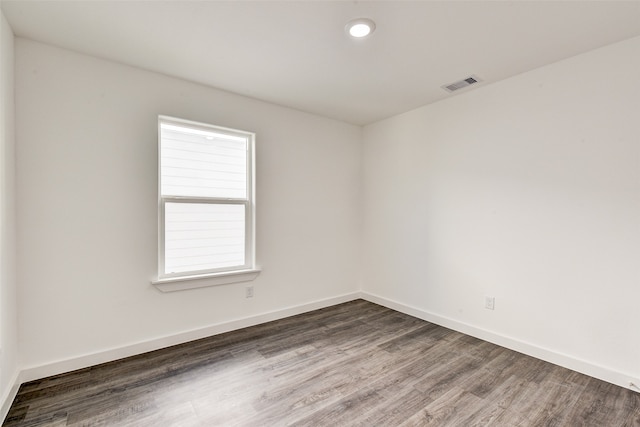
355 364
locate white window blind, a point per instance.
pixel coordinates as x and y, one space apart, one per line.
203 236
205 199
201 164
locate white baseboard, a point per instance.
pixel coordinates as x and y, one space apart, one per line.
584 367
68 365
10 395
62 366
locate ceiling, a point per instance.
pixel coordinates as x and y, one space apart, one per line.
297 53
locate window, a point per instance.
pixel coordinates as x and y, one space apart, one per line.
206 206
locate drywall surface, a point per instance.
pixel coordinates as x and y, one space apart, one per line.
8 300
87 202
527 190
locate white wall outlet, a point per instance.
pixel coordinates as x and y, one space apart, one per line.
490 303
248 292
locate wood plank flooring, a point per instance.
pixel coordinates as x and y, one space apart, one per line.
354 364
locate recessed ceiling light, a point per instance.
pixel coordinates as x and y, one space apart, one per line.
360 27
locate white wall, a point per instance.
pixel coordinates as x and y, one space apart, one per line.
87 200
527 190
8 300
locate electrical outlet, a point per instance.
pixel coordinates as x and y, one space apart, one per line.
490 303
249 292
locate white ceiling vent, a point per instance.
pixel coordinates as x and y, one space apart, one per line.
461 84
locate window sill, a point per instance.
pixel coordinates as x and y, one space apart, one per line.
171 284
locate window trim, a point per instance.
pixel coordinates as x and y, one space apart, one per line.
208 277
205 280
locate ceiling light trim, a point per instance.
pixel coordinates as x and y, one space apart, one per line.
360 28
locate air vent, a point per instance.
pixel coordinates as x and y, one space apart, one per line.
461 84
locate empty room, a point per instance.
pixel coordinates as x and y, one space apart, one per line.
310 213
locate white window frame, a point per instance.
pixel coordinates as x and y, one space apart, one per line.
216 276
